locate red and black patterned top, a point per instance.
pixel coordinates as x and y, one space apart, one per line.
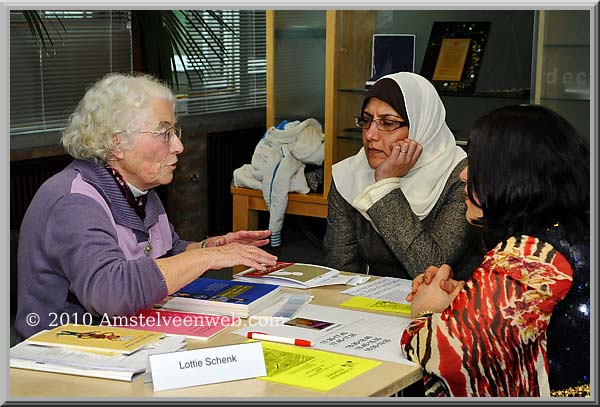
491 341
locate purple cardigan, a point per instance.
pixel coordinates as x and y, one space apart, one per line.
81 250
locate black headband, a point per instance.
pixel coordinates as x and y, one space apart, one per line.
389 91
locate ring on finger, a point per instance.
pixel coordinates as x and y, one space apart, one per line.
250 255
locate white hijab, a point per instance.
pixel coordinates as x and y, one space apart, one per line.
424 183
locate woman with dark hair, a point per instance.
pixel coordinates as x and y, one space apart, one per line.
520 325
397 205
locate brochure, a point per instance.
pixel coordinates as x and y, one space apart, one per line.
99 339
296 275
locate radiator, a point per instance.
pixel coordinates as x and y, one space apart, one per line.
225 152
26 177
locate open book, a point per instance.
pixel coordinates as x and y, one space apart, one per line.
296 275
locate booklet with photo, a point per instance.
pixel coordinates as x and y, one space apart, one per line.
296 275
98 339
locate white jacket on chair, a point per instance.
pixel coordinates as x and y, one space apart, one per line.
277 166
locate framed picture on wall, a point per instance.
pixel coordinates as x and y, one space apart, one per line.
454 54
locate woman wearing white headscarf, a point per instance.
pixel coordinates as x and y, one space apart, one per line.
397 206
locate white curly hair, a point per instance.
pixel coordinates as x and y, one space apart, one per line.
113 105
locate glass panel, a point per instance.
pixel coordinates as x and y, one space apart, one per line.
356 29
564 82
299 65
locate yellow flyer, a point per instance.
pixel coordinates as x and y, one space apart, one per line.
376 305
96 338
311 368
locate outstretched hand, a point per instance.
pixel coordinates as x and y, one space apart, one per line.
246 237
402 158
235 254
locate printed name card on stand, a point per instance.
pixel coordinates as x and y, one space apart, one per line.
205 366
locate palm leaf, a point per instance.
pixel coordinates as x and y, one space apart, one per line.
37 27
164 39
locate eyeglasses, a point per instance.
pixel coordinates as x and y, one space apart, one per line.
168 134
364 122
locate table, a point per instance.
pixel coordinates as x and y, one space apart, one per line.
384 380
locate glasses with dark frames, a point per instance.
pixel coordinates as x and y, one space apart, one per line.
385 124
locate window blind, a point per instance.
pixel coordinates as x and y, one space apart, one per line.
44 89
234 79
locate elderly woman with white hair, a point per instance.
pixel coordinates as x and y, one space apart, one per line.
96 238
396 207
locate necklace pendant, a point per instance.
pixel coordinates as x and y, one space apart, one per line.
148 249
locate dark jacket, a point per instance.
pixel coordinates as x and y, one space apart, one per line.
405 245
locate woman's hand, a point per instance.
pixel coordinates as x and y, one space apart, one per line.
432 296
235 254
402 158
425 278
247 237
184 267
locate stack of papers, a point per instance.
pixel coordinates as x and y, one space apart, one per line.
56 359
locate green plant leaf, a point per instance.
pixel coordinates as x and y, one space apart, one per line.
163 35
36 21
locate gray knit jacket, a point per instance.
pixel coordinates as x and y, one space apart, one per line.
405 245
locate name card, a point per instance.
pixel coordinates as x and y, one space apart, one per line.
209 365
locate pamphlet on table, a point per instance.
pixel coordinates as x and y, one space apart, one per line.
99 339
295 275
310 368
370 304
385 288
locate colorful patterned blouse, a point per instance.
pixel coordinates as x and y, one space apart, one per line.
491 341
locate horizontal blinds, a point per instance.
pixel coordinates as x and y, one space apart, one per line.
44 89
235 78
